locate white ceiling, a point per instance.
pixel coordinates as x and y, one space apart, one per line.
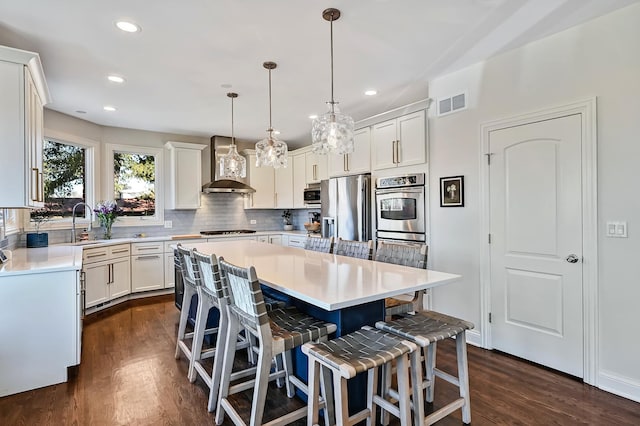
188 49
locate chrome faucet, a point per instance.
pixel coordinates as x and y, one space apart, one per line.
73 220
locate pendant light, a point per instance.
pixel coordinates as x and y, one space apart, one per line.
271 151
233 165
333 131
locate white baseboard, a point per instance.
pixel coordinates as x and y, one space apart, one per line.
474 338
622 386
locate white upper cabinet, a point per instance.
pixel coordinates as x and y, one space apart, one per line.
317 169
284 186
24 93
356 163
262 179
299 169
185 175
400 142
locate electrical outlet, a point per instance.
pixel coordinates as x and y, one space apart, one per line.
168 224
253 221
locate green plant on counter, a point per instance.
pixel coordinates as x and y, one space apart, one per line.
286 216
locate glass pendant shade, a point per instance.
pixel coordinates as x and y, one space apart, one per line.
232 164
332 133
271 152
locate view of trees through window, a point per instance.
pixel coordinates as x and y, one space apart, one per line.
64 180
134 183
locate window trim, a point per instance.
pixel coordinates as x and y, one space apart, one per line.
109 193
92 180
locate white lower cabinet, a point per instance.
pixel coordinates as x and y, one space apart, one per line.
169 260
107 273
271 239
297 241
147 266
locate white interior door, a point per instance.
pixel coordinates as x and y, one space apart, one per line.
536 242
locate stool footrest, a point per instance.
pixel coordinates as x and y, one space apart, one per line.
446 376
443 412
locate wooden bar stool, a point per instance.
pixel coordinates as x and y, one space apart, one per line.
367 350
356 249
190 277
414 255
323 245
425 329
277 332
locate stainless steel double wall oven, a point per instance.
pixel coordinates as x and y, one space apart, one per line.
401 208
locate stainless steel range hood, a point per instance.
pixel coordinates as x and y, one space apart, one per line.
219 147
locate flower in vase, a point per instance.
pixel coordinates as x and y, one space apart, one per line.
107 212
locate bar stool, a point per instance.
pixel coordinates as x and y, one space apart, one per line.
190 277
367 350
321 244
414 255
277 332
425 329
357 249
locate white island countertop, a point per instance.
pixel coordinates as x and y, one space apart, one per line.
41 260
327 281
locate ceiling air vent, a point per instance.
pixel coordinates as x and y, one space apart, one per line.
451 104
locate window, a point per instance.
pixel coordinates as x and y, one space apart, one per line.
135 180
69 178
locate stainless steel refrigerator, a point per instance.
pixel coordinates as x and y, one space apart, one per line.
346 207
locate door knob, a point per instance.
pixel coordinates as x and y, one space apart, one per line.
572 258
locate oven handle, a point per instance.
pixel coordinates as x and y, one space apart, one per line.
411 190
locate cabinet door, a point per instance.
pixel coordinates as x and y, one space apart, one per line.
34 141
383 145
412 142
360 161
263 238
187 176
284 187
337 164
147 272
120 278
275 239
299 179
96 279
262 179
169 271
317 167
297 241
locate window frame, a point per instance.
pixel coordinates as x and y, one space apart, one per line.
92 181
109 192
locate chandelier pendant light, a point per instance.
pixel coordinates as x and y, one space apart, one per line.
333 131
271 151
233 165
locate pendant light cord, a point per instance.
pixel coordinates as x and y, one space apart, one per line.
270 125
331 30
233 141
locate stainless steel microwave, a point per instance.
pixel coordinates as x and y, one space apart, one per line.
312 195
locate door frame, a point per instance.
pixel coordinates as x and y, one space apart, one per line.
587 109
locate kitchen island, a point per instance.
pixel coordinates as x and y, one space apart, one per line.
40 317
346 291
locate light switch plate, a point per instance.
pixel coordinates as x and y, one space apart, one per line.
253 222
617 229
168 224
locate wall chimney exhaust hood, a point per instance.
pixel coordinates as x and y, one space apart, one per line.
219 147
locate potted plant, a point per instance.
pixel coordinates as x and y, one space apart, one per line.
286 217
38 239
107 212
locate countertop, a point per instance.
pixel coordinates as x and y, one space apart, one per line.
41 260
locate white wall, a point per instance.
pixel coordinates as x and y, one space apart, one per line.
599 58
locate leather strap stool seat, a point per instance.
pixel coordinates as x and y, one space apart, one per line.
367 350
425 329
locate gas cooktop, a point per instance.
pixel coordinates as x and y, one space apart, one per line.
228 232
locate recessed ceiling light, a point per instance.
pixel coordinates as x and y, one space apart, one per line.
128 27
115 78
109 108
79 111
313 116
371 92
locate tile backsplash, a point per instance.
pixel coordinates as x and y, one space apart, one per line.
217 212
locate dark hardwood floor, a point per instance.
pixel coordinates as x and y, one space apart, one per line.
128 376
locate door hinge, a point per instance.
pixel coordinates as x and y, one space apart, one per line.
489 238
490 317
489 154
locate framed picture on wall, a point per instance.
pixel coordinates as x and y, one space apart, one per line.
452 191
